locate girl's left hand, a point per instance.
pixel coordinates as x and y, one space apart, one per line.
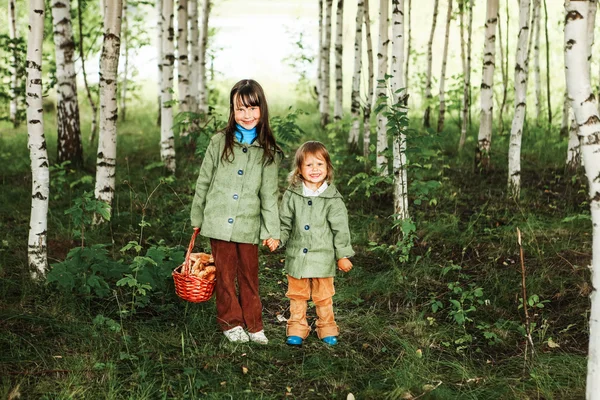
271 243
344 264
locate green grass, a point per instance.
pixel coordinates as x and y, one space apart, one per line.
393 344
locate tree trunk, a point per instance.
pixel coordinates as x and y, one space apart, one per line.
381 91
504 67
40 177
94 127
167 140
521 74
125 46
107 141
338 108
14 78
355 96
194 55
321 56
548 97
466 103
69 131
408 44
397 63
573 146
442 113
428 95
370 89
324 110
202 78
484 140
183 69
537 17
584 105
159 57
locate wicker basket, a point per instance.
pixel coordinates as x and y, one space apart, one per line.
188 287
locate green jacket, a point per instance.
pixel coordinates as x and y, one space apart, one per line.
236 201
315 232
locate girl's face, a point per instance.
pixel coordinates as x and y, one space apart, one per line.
247 117
314 171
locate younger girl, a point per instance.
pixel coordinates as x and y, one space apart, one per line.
235 205
314 227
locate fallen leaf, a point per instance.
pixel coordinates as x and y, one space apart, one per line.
428 388
244 369
407 396
419 353
552 344
223 383
350 397
281 318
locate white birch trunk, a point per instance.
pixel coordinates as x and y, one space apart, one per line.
40 177
338 106
370 86
355 95
466 101
584 105
159 55
125 47
428 95
69 132
381 91
442 113
107 140
194 55
399 139
14 79
503 71
93 106
573 146
167 139
408 44
321 56
183 68
537 75
203 40
564 124
326 75
516 131
484 139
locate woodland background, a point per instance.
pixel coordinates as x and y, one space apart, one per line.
434 306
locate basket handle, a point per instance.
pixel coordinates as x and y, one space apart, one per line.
186 263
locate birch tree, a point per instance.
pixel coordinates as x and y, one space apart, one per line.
466 101
338 107
537 74
408 43
159 56
548 97
203 40
584 103
107 140
325 73
14 78
442 113
167 139
194 54
321 55
355 94
484 139
69 132
125 48
381 91
399 98
93 106
521 73
183 68
428 77
40 177
504 55
370 86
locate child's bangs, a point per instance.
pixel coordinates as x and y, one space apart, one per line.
247 99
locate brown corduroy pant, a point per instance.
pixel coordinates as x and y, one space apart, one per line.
299 292
241 307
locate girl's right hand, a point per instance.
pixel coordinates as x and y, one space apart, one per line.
271 243
344 264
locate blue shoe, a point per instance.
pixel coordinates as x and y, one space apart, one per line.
330 340
294 340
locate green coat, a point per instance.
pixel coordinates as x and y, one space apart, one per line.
315 232
236 201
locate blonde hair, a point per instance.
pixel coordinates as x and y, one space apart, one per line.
315 148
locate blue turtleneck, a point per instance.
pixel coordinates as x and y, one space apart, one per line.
243 135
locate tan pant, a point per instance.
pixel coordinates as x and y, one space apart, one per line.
299 292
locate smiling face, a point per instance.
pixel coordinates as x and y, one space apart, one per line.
313 171
246 116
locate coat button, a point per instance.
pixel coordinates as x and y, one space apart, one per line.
230 220
306 227
235 196
245 149
310 202
240 172
305 250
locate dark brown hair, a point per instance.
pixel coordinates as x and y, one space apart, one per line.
315 148
250 94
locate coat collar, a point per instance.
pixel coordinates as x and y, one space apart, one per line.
330 193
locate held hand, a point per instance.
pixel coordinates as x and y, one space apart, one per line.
271 243
344 264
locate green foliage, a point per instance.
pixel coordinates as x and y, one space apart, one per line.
286 130
82 213
19 46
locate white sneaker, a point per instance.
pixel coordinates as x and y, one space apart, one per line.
236 335
258 337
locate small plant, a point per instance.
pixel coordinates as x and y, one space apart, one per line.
82 213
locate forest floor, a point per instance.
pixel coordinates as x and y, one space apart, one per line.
436 315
